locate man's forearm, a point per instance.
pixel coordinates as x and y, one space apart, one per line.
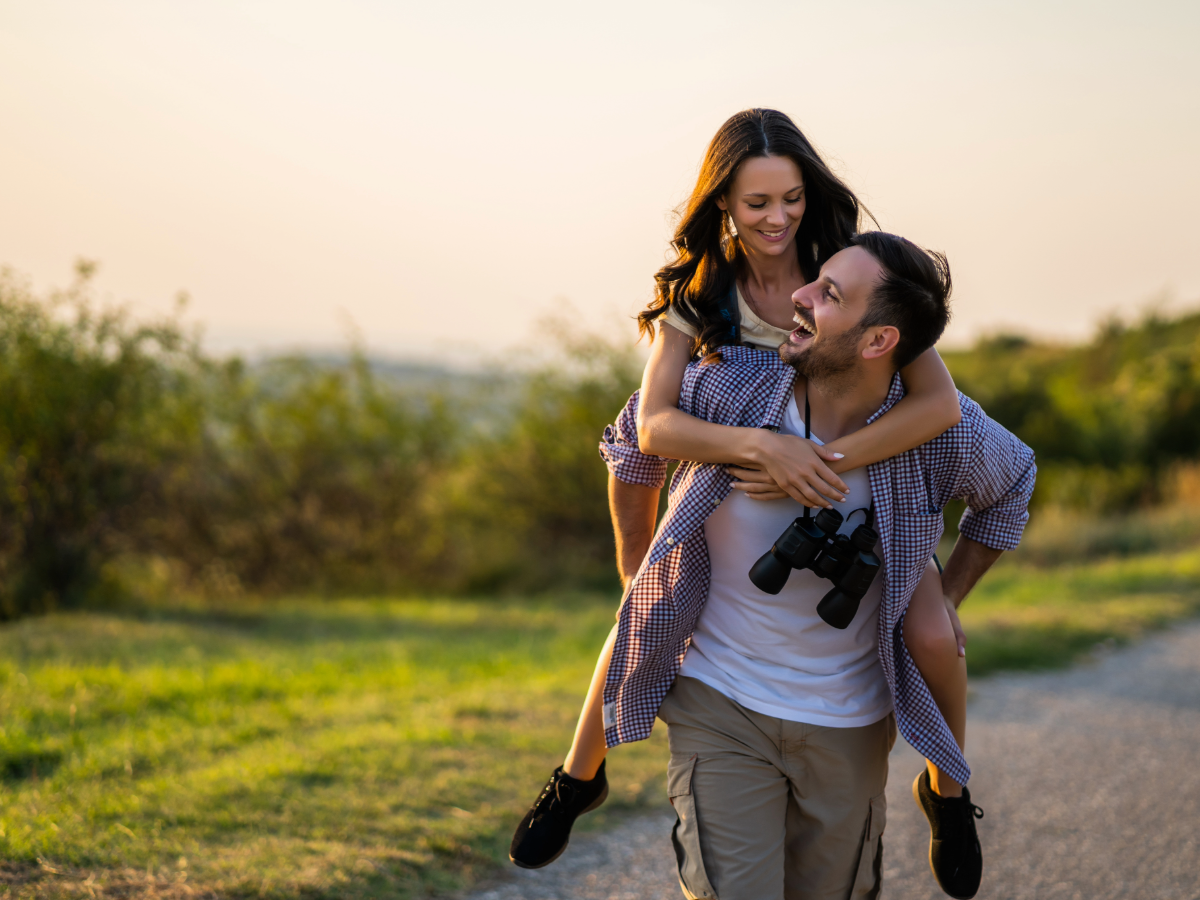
634 509
968 562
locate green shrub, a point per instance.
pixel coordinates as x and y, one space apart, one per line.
526 506
307 477
121 442
94 408
1109 420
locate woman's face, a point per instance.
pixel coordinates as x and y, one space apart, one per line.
766 203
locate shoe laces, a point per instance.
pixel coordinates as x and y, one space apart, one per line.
970 811
565 787
555 789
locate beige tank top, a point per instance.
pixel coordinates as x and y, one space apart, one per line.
755 331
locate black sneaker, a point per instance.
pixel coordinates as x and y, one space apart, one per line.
543 834
954 852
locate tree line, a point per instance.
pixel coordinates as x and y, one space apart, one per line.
125 448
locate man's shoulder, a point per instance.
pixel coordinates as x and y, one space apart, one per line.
973 417
975 431
961 436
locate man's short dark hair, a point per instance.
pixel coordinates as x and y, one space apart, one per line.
913 295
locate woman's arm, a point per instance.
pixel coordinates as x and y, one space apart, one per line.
795 465
929 408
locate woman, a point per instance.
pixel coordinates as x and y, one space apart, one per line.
765 214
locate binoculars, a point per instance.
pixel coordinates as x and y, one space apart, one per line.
849 561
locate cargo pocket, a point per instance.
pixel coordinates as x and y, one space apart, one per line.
870 859
685 836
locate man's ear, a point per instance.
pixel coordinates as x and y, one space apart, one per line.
880 341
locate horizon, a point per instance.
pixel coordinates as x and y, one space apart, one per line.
535 349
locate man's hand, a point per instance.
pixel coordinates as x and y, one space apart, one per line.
960 636
755 484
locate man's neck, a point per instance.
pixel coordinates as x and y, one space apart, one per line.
841 405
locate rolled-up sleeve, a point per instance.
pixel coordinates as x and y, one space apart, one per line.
998 485
619 449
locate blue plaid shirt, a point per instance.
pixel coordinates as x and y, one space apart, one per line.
976 461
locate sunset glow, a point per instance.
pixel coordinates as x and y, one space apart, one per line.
443 176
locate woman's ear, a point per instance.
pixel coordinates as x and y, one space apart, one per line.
722 205
881 340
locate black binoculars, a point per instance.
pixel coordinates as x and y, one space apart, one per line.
849 561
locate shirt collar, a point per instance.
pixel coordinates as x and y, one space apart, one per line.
783 393
784 390
894 395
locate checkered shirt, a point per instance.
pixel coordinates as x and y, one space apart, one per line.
976 461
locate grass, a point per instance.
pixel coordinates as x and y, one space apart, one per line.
348 749
1023 616
1078 581
357 749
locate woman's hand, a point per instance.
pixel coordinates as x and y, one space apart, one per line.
791 467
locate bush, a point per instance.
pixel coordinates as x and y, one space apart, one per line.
306 477
122 442
1109 420
526 506
94 409
1058 536
321 478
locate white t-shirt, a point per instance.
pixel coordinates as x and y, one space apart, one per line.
774 654
755 331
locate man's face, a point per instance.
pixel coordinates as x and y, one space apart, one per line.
829 311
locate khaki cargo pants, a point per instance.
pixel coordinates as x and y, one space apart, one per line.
769 809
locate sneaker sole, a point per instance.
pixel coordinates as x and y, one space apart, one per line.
596 803
916 792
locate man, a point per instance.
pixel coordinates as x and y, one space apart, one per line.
780 725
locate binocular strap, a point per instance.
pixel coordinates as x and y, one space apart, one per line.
869 510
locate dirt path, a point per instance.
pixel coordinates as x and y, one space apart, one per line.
1090 779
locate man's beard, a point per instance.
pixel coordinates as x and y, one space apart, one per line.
825 362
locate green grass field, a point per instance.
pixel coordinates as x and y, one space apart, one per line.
348 749
1023 617
374 749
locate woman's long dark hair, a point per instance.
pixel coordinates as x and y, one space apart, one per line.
708 257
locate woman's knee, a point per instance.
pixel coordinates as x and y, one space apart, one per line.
930 638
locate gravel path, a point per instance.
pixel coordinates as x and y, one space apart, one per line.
1090 779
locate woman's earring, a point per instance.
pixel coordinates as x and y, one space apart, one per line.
732 227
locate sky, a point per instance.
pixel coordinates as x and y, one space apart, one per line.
439 177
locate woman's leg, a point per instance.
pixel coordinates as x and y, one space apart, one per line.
589 749
542 835
929 636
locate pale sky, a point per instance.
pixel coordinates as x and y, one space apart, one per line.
444 174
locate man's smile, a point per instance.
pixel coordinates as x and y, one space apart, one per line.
805 330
